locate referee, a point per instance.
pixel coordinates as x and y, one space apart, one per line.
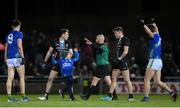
102 69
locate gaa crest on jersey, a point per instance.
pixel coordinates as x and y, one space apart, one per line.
66 45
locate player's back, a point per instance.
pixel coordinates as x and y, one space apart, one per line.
155 46
12 44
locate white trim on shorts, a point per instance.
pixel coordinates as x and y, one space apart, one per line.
14 62
155 64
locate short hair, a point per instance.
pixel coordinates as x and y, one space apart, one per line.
119 28
62 31
151 27
100 35
15 23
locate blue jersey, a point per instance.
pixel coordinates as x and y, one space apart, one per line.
12 46
66 65
155 47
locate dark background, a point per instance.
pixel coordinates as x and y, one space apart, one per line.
84 15
89 17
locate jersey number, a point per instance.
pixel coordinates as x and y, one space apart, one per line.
10 38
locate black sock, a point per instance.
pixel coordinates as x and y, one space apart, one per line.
64 90
90 91
171 93
46 94
114 94
69 90
110 94
130 95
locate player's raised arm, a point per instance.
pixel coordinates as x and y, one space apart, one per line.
155 26
146 28
75 55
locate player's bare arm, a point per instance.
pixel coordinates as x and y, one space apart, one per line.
88 41
48 54
20 48
125 52
156 28
148 31
146 28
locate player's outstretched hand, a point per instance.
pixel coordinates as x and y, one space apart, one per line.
142 22
115 61
152 21
88 41
43 65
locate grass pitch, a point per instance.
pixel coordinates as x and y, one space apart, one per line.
94 101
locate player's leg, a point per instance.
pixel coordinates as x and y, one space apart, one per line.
115 74
21 71
127 80
51 78
10 78
157 80
69 84
49 83
16 83
147 78
94 82
107 79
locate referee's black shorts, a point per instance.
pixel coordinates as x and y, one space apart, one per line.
102 71
122 65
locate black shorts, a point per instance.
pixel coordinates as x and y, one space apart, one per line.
122 66
102 71
55 68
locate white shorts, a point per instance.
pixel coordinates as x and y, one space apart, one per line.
14 62
155 64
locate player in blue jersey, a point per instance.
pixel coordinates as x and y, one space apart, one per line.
66 70
14 58
155 64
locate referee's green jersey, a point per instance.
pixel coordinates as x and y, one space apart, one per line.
102 53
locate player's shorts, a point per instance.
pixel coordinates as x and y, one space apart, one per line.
155 64
55 67
102 71
122 66
14 62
